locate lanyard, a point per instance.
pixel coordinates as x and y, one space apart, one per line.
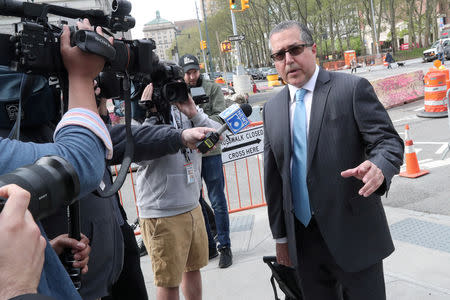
178 123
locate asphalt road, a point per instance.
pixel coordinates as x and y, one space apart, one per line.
430 193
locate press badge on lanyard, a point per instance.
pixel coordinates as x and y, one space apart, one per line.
190 174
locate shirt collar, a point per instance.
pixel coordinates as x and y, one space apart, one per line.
309 86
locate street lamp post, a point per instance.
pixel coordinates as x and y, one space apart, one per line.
208 50
177 54
201 39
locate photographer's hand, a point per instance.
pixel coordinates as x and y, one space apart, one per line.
82 68
22 246
187 107
147 95
80 249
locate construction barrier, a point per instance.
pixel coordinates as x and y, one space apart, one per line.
349 55
435 90
399 89
412 164
243 168
273 80
244 187
385 63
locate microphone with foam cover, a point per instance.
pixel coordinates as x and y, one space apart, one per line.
235 118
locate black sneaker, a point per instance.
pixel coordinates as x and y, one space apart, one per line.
213 253
226 257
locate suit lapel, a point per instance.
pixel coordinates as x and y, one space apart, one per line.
284 120
319 101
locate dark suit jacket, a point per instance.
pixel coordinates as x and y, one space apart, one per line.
32 297
348 125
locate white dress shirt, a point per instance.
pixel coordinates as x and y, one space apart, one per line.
309 86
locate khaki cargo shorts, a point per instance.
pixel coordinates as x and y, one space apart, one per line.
175 245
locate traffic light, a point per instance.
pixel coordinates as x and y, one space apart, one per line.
233 4
244 5
203 45
226 46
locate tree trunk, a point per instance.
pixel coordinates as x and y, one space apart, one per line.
428 21
393 30
330 28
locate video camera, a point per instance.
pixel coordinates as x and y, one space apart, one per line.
168 86
34 48
199 95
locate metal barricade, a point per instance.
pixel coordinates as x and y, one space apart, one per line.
243 184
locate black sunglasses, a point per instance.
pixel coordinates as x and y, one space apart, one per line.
293 50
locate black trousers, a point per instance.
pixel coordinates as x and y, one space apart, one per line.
131 284
322 278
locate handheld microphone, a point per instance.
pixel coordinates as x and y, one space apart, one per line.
235 118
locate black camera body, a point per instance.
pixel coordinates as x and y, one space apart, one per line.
35 47
199 95
168 87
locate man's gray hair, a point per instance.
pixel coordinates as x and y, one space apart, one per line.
305 34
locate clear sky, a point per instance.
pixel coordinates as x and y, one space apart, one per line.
172 10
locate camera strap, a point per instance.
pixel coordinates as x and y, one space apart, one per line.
129 147
189 167
26 89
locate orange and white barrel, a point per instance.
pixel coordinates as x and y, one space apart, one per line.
434 93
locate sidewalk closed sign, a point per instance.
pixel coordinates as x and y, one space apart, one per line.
246 143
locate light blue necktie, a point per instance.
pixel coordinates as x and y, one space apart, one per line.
299 155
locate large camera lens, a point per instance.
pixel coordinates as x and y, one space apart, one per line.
121 7
175 92
51 181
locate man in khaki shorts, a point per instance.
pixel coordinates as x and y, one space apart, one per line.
172 224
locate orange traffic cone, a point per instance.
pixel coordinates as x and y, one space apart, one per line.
412 165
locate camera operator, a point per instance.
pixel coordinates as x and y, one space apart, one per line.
168 189
212 162
80 138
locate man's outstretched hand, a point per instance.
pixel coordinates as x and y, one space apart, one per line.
190 137
369 174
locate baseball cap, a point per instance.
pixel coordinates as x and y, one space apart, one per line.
189 62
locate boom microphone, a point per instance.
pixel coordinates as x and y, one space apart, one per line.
235 118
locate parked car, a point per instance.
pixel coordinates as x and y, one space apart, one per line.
255 73
214 75
431 54
228 76
447 50
264 70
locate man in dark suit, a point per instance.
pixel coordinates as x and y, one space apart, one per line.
330 152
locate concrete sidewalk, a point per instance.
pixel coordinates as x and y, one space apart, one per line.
418 269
